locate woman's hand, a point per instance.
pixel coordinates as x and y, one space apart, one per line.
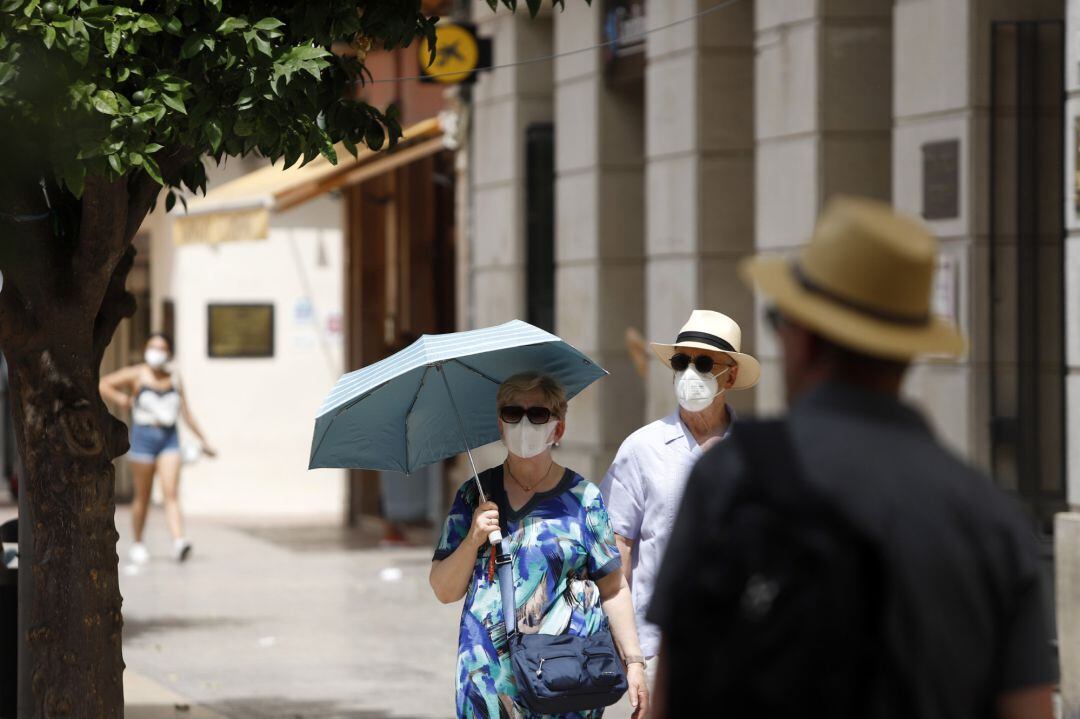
208 450
485 520
637 690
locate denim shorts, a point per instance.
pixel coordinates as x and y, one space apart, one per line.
149 442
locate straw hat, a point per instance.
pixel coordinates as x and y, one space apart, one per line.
715 332
863 281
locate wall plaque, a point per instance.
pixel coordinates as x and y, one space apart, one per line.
941 180
240 330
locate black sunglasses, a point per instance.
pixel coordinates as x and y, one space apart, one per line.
512 414
702 363
774 318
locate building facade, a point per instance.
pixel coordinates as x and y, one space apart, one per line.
627 181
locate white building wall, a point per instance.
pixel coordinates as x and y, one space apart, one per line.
259 413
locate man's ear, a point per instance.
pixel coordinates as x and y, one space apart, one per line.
732 375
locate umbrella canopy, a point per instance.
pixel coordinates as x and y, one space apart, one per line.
436 398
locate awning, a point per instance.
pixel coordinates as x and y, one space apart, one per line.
240 210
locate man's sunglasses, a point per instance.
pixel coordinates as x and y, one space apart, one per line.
702 363
774 318
512 414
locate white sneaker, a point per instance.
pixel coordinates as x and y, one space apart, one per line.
181 549
138 554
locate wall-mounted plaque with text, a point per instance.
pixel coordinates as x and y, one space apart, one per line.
240 330
941 180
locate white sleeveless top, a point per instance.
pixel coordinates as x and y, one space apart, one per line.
157 408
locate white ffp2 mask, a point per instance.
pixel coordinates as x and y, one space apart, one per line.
696 391
526 439
156 358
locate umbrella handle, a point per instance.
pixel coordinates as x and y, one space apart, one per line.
495 537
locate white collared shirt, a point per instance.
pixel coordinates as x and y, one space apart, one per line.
642 491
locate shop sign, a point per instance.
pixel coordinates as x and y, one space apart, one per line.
459 54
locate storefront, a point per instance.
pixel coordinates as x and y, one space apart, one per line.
276 283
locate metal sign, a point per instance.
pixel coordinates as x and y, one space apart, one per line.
459 54
941 180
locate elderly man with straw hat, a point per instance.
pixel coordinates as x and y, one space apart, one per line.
850 502
644 485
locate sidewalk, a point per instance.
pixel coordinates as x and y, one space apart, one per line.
284 623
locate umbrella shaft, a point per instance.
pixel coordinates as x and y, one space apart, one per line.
496 536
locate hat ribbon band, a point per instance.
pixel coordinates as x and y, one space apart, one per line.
884 315
717 342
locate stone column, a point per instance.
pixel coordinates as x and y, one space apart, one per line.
823 118
699 150
1072 253
506 101
1067 528
1067 549
598 235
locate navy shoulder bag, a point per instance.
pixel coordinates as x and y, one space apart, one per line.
558 674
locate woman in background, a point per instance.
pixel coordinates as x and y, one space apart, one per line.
152 391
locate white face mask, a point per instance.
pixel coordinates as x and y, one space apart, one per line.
156 358
526 439
696 391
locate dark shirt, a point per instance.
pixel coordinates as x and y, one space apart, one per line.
961 559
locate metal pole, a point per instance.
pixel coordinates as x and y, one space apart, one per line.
496 536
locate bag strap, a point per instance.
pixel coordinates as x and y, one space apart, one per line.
504 568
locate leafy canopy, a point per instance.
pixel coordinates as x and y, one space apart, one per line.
102 89
93 88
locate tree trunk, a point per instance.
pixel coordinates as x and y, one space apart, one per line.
68 440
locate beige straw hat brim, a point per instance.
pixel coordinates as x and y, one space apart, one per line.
749 367
847 326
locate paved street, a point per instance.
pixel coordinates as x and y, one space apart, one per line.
289 623
286 622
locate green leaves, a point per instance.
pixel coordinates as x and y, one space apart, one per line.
268 24
214 135
113 87
231 24
106 103
176 102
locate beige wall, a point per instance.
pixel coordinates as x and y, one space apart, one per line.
598 237
699 92
823 118
1072 253
259 413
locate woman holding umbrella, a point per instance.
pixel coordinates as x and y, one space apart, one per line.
565 562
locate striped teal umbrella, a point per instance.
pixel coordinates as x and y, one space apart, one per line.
436 398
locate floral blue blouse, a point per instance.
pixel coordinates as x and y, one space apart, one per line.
561 542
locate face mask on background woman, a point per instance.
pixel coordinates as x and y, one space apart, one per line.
696 391
526 439
156 358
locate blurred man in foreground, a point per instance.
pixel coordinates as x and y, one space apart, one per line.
841 562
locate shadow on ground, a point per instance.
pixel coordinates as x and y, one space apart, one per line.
262 708
138 628
334 538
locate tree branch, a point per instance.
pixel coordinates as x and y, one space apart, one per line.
143 191
100 243
116 305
